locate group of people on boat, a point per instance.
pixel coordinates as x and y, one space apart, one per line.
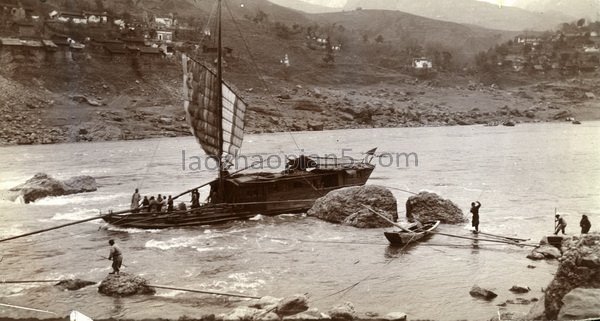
560 222
151 204
160 204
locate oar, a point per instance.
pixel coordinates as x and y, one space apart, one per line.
202 291
504 237
63 225
387 219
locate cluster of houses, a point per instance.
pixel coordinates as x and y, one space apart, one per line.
575 51
29 32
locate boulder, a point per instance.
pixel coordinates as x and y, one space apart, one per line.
292 305
545 251
42 185
73 284
509 123
346 206
242 313
576 270
80 184
479 292
580 304
343 312
537 311
124 284
519 289
395 316
310 314
427 206
265 303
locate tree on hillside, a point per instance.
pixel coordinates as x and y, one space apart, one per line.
329 57
379 39
260 17
365 38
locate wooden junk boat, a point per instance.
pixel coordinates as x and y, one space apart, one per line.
412 234
216 118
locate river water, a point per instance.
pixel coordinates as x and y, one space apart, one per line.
520 175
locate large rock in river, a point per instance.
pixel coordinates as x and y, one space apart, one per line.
579 268
347 206
581 304
42 185
124 284
427 206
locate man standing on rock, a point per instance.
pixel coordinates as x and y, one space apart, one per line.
561 224
475 211
135 201
116 256
585 224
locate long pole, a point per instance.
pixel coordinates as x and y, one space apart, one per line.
63 225
450 235
201 291
387 219
221 191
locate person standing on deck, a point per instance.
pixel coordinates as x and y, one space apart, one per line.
146 203
585 224
561 224
170 204
135 201
475 211
159 203
116 256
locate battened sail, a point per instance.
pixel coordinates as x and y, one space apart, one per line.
201 108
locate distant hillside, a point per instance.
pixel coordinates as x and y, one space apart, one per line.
577 9
305 6
469 12
401 30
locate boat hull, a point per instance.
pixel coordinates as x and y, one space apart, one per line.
404 238
245 197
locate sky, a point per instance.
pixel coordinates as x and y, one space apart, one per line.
340 3
502 2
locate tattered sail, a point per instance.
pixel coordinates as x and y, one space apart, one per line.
201 107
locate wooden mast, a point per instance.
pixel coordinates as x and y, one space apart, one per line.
220 193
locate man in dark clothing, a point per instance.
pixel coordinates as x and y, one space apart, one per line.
585 224
159 203
170 204
116 256
475 211
560 224
146 203
152 204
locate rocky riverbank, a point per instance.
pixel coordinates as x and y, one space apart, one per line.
135 109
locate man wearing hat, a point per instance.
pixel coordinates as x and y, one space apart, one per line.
560 224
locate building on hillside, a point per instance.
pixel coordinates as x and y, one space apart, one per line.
164 36
96 17
69 16
164 22
422 63
527 40
120 23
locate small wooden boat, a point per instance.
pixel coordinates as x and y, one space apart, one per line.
416 233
